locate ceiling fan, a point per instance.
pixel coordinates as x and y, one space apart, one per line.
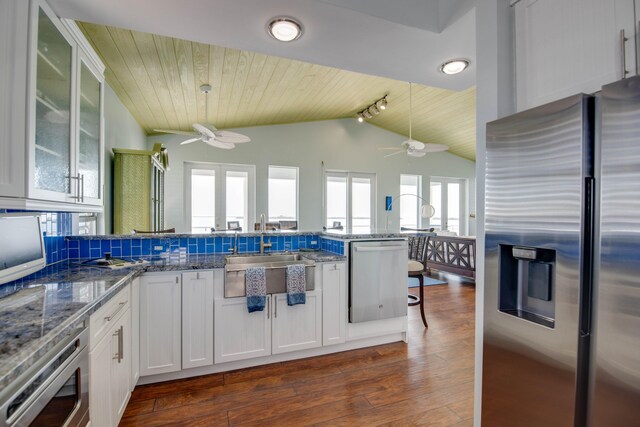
208 133
412 147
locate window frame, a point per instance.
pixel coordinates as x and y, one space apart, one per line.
220 170
297 170
348 227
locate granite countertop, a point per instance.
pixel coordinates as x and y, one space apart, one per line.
45 310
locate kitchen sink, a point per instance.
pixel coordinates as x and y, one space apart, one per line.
275 265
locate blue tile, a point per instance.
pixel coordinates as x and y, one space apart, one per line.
184 242
84 249
210 240
95 244
126 248
136 243
193 249
210 248
218 244
201 246
74 253
136 251
116 252
116 243
73 244
105 245
146 247
95 253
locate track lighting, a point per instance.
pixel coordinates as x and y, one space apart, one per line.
372 110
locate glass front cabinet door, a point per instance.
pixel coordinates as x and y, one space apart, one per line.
65 121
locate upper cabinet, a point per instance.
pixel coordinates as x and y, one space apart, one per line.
564 47
57 158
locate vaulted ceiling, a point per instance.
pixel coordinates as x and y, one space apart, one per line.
157 78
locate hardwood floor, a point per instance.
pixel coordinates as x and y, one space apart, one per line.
428 381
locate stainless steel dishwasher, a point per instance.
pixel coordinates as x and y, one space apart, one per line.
378 280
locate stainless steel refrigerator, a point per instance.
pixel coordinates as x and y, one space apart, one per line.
562 272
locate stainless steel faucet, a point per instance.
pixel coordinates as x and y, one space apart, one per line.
263 245
235 244
262 223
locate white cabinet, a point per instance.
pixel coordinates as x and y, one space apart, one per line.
296 327
279 328
334 303
564 47
239 334
160 323
197 319
51 112
110 360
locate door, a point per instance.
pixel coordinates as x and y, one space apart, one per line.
101 383
296 327
217 193
197 319
239 334
89 134
334 303
617 356
121 366
53 175
537 164
160 324
568 47
448 197
378 280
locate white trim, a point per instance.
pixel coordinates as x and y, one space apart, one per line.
84 44
463 202
349 176
45 205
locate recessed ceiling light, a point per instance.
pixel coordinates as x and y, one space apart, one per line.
284 29
454 66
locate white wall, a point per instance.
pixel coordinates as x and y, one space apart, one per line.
341 144
495 99
121 131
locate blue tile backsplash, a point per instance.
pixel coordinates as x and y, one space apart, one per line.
136 247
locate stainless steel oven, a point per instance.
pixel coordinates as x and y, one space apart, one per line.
55 391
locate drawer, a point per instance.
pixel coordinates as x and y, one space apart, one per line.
101 321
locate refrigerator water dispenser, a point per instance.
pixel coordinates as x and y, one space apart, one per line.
527 283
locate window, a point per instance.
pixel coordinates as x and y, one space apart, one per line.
283 193
217 194
349 201
448 197
410 215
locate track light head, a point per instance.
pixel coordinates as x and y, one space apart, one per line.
367 115
360 118
374 110
382 104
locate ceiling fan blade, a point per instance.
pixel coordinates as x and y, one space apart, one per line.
231 137
189 141
393 154
175 132
218 144
435 148
203 130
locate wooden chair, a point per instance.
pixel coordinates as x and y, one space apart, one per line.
417 246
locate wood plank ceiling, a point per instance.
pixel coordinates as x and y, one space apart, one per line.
158 79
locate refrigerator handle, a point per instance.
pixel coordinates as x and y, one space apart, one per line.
623 54
586 288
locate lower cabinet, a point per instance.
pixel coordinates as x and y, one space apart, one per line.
279 328
176 321
135 332
110 370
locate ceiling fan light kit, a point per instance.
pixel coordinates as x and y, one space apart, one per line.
372 110
454 66
207 132
284 29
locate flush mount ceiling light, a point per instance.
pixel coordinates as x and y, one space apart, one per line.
374 109
454 66
284 29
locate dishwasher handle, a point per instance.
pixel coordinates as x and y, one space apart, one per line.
378 248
